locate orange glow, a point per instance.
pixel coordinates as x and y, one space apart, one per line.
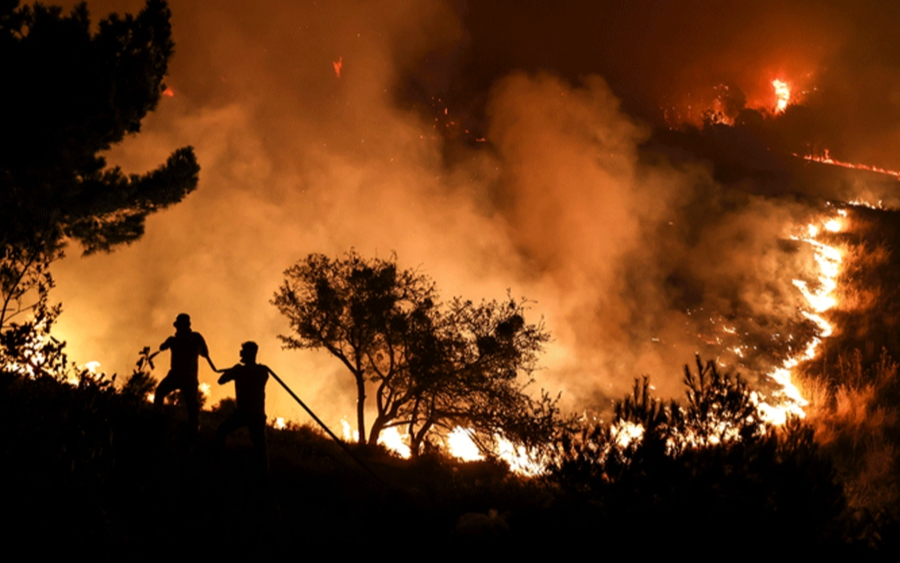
520 460
626 432
205 391
168 92
825 158
783 93
788 400
348 433
722 104
391 439
834 226
460 445
863 203
338 64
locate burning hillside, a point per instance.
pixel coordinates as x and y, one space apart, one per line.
486 193
637 181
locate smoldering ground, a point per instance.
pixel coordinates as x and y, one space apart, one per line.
631 256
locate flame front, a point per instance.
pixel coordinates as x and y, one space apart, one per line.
826 158
788 399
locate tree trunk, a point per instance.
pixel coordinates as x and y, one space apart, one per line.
416 439
361 408
377 427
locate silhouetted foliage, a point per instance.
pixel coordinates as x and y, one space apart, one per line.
667 469
140 384
117 479
69 95
27 348
429 367
72 94
719 407
465 369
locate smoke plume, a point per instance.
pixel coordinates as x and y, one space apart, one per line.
494 146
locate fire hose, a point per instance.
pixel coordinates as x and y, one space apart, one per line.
337 440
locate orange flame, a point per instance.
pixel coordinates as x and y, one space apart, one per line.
789 400
825 158
338 64
783 93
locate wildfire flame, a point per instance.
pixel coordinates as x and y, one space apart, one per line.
338 64
33 360
783 94
520 460
862 203
461 446
821 299
626 432
786 401
205 391
390 438
349 434
825 158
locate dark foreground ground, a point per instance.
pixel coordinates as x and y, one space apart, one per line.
91 472
88 471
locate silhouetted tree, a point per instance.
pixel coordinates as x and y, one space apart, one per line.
359 311
70 94
469 365
428 366
719 407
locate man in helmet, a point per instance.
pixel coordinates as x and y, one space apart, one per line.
186 347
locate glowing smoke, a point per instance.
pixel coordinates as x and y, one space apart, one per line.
634 259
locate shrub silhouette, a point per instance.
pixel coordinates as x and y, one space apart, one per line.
709 464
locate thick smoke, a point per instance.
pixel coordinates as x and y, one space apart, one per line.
634 259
